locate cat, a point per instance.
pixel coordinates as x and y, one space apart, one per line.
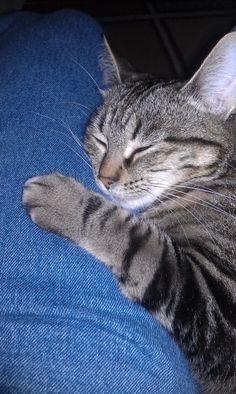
168 152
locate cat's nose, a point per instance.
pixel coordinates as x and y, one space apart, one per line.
107 180
109 172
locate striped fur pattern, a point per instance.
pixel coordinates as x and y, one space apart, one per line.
170 153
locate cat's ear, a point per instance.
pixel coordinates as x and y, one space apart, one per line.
110 66
116 70
213 87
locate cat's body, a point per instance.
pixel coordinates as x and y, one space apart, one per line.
169 152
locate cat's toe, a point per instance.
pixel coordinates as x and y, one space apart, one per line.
35 180
35 198
36 203
32 190
53 202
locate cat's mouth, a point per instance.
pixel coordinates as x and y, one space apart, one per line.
132 203
126 200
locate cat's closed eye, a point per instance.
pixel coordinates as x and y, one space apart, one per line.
135 154
100 141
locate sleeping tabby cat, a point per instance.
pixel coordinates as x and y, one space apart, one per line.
167 151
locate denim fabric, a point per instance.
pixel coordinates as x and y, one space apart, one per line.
64 326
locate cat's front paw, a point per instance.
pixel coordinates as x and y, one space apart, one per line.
53 202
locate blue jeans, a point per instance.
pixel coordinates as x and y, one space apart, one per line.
64 326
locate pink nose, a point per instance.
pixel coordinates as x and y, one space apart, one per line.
107 180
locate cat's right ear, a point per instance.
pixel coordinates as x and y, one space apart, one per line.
112 73
116 70
110 66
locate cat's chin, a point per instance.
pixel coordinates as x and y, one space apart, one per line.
137 203
127 202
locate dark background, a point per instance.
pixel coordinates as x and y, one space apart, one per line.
168 38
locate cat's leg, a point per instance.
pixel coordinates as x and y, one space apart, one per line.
132 248
151 269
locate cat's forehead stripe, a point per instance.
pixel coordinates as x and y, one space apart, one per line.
129 149
137 128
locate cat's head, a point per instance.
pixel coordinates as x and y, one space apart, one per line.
147 137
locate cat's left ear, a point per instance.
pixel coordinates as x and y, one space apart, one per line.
213 87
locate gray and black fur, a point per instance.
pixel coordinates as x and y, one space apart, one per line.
168 152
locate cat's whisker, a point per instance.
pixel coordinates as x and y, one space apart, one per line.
230 198
202 203
173 213
62 123
77 154
72 134
88 73
56 131
77 145
80 109
78 142
211 236
207 191
201 189
206 204
230 165
50 118
79 105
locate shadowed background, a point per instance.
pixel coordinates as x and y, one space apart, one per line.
168 38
